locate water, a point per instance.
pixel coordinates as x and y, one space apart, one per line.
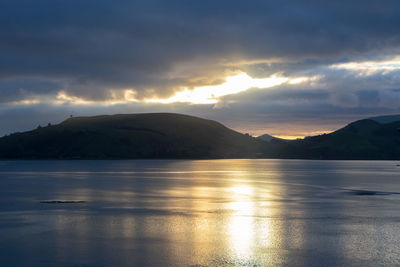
200 213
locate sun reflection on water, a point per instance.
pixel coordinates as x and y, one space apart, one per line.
241 224
252 223
194 213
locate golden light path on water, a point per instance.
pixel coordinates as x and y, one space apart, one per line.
203 213
241 227
234 213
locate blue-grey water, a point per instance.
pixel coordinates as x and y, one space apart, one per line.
200 213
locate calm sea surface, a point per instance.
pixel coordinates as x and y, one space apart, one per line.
200 213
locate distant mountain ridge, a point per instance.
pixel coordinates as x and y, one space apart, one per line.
169 135
268 138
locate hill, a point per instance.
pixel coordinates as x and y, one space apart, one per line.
363 139
167 135
386 119
153 135
268 138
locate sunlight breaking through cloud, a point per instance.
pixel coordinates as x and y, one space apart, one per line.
370 67
233 85
127 96
201 95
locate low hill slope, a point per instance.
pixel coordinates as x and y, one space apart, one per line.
363 139
386 119
153 135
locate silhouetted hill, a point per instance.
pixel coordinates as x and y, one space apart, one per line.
166 135
156 135
386 119
363 139
268 138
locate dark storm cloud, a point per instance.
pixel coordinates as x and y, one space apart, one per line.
92 46
26 88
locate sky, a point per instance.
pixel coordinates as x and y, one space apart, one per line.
286 68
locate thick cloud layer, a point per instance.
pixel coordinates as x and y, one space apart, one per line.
93 49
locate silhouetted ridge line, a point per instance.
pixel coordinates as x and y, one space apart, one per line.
148 135
169 135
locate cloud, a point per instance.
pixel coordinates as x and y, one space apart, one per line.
26 89
157 48
99 56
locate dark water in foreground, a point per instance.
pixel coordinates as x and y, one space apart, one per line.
200 213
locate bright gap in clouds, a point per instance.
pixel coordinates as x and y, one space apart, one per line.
370 67
200 95
233 85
